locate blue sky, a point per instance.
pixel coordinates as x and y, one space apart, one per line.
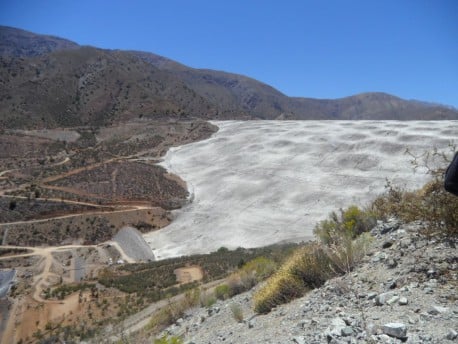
321 49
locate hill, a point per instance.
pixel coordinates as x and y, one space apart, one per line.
21 43
52 82
403 291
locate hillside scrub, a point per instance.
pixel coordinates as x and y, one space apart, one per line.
243 279
431 204
341 246
351 223
250 274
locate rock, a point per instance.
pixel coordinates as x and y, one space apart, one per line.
299 340
337 325
347 331
371 295
403 301
397 330
378 256
381 299
431 273
451 334
393 300
435 310
391 263
387 244
405 243
389 227
428 290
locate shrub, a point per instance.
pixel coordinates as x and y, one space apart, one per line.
351 223
168 340
222 292
250 274
260 267
237 312
348 253
207 300
172 312
431 204
311 266
308 268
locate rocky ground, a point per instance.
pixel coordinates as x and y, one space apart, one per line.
403 291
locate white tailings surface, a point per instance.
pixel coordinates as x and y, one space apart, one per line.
260 182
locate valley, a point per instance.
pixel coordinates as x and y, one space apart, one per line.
133 187
65 194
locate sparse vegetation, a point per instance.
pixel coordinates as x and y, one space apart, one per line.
341 246
172 312
431 204
154 281
348 224
237 312
222 292
168 340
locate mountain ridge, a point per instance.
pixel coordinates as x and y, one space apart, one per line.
53 82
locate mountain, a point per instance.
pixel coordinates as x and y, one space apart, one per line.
20 43
47 81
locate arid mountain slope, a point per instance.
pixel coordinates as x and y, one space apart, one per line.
21 43
88 86
261 101
50 82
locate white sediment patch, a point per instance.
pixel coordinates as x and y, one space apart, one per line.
260 182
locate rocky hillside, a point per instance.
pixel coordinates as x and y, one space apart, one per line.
50 82
404 291
20 43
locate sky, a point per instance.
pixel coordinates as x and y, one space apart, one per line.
318 49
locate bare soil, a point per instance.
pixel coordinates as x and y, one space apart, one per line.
189 274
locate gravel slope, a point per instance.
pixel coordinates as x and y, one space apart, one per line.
404 291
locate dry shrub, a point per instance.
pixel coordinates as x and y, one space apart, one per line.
207 299
349 252
222 292
168 340
169 314
431 204
350 223
250 275
309 267
342 246
237 312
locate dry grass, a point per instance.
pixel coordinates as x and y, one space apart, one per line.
173 311
437 208
342 246
309 267
431 204
237 312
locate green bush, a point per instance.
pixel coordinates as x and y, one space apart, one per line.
222 292
349 224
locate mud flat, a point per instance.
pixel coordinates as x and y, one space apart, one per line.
260 182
